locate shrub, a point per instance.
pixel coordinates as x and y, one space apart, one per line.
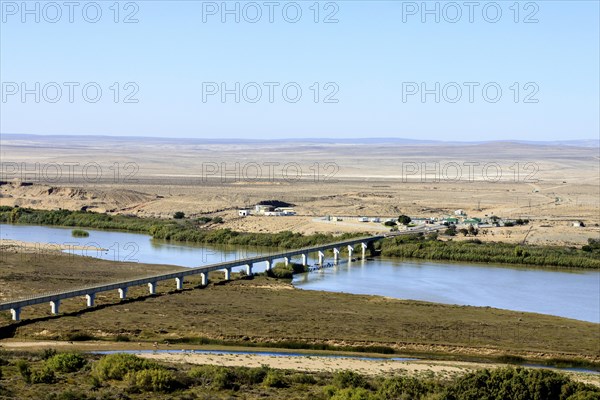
303 378
66 362
212 376
405 387
519 383
48 353
275 379
116 366
79 233
281 271
353 394
45 375
179 215
24 370
349 379
217 220
390 223
152 380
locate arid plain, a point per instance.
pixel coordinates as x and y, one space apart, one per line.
553 185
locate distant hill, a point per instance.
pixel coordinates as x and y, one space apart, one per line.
83 139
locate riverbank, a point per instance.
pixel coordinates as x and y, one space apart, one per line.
270 313
411 246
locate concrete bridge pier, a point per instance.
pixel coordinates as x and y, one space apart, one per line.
321 257
269 265
249 268
336 255
227 274
152 287
123 293
304 259
179 282
90 299
204 278
16 314
350 251
286 261
55 306
363 246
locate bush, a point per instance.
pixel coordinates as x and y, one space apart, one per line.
303 378
212 376
66 362
518 383
48 353
116 366
79 233
45 375
403 387
275 379
349 379
217 220
24 370
179 215
354 394
152 380
390 223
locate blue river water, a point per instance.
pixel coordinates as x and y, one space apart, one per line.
566 293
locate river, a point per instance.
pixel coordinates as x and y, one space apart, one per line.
566 293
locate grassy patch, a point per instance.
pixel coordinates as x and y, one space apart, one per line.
430 248
79 233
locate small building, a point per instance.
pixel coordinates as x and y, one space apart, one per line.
243 212
287 211
263 208
273 214
459 212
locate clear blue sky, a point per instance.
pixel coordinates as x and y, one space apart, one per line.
368 54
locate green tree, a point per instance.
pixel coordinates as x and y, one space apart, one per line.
179 215
404 219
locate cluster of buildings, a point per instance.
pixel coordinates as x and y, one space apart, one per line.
269 209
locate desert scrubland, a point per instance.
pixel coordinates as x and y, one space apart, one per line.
553 185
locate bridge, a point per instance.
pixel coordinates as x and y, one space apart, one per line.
90 292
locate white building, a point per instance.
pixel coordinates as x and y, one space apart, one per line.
243 212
